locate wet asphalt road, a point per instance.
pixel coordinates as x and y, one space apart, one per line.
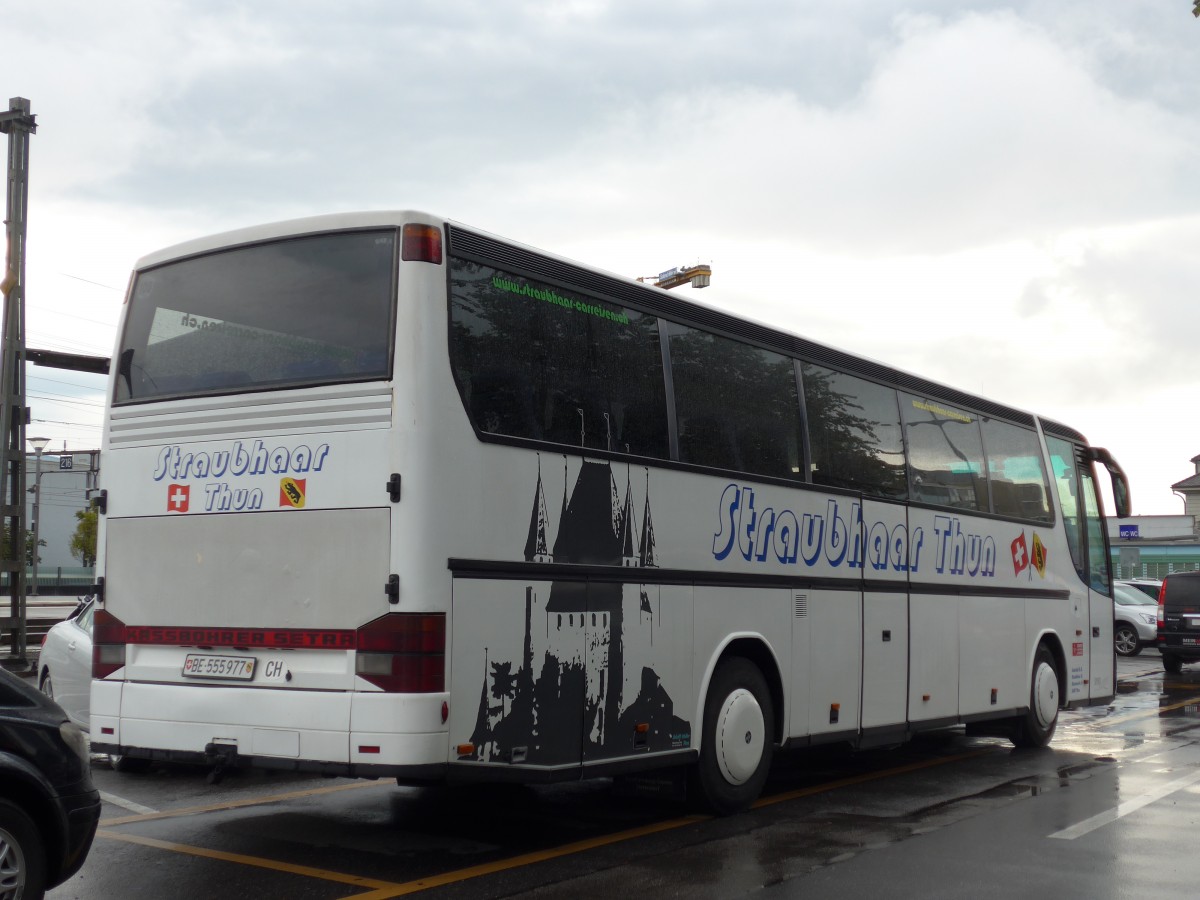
1108 811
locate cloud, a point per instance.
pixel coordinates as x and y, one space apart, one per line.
976 131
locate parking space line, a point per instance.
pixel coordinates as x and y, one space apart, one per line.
1123 809
127 804
275 865
238 804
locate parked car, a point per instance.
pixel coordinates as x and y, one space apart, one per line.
1148 586
49 807
65 674
65 664
1135 619
1179 629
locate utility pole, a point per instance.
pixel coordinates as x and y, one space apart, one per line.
18 124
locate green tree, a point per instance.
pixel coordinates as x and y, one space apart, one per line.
83 541
28 544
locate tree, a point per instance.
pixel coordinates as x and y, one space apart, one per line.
83 541
28 545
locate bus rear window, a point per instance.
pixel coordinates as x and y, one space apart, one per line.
304 311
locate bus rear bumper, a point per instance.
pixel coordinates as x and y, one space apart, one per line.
300 730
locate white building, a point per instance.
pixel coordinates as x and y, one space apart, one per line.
66 480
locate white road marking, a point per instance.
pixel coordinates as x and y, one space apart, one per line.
1123 809
127 804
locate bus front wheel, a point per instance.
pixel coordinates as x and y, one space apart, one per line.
738 738
1036 727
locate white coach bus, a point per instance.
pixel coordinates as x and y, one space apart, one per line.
384 495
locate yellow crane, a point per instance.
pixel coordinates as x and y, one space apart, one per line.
698 275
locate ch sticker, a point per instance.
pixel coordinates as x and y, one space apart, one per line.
291 492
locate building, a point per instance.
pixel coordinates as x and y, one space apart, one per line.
66 480
1153 546
1190 488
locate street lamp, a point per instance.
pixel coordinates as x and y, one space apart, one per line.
38 444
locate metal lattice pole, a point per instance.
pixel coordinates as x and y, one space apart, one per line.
18 124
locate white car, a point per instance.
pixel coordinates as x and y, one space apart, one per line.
65 664
1135 620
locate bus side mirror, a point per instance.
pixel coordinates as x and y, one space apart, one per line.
1120 484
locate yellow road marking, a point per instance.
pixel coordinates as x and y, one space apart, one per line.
383 890
307 871
516 862
1146 713
237 804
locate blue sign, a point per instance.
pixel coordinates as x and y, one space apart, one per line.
1129 532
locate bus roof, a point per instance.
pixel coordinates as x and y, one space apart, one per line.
474 243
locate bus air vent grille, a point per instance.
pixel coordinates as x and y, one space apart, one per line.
801 605
328 408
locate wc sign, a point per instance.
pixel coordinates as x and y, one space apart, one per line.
1128 532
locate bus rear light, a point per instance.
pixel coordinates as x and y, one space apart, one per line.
404 653
421 243
108 644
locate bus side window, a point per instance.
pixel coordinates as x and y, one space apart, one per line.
945 454
854 433
1062 462
500 405
1016 471
1098 559
736 405
542 362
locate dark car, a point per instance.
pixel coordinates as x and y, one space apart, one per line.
1179 620
49 807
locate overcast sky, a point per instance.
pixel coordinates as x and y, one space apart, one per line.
1004 197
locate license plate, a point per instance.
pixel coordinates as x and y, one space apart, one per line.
236 668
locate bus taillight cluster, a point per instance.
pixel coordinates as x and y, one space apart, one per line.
404 653
108 644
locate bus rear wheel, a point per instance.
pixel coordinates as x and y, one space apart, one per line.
738 738
1036 727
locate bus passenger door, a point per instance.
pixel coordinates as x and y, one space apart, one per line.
1103 662
1091 661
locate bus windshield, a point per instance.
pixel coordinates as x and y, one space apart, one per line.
311 310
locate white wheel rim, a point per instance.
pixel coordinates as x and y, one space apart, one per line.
12 866
741 730
1045 694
